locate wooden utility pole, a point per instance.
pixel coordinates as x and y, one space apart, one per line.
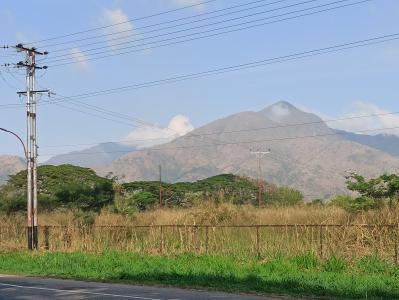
259 153
161 204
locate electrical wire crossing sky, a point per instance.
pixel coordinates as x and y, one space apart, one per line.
118 68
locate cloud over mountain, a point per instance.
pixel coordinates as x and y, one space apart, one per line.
382 119
147 136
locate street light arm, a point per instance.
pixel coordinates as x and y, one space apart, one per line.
16 135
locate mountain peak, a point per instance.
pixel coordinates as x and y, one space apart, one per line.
285 112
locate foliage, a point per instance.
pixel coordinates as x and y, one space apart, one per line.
64 186
284 196
382 188
73 187
224 188
353 205
299 276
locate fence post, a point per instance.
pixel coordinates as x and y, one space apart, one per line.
397 245
257 241
46 238
207 239
162 239
321 241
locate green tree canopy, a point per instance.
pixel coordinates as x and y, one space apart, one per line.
64 186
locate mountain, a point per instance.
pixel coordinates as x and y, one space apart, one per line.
10 165
388 143
309 157
101 154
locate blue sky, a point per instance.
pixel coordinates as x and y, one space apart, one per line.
362 80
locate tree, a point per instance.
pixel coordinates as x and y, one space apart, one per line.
64 186
382 188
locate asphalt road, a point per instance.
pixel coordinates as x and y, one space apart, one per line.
15 287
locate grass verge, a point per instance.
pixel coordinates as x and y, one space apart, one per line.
305 275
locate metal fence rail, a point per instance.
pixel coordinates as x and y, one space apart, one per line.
354 240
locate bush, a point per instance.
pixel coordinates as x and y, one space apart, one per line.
354 205
140 201
284 196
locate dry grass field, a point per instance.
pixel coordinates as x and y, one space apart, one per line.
217 230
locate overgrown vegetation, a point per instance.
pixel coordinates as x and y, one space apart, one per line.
304 275
71 187
372 193
59 187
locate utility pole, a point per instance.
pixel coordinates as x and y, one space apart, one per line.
31 144
259 153
160 187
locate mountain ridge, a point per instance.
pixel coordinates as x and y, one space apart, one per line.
307 156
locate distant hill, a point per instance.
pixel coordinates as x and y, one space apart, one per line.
91 157
10 165
388 143
300 157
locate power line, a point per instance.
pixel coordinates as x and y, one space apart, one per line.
67 58
203 37
188 135
182 24
222 70
163 23
239 142
119 23
254 64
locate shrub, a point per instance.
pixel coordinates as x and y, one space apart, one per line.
354 205
141 201
284 196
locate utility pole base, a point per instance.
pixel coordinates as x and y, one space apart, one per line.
30 237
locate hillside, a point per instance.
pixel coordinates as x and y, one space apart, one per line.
388 143
92 157
309 157
10 165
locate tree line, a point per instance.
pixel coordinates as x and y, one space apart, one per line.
72 187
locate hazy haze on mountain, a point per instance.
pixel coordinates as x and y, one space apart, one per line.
10 165
308 156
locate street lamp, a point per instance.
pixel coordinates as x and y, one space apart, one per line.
30 231
16 135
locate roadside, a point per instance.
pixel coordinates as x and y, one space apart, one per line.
15 287
296 276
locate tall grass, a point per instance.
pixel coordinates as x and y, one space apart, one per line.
149 233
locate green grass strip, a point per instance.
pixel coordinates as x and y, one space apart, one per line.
368 278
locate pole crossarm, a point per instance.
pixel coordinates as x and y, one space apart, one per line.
21 47
260 153
34 92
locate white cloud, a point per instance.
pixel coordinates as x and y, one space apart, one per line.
280 110
121 27
149 136
80 58
381 119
